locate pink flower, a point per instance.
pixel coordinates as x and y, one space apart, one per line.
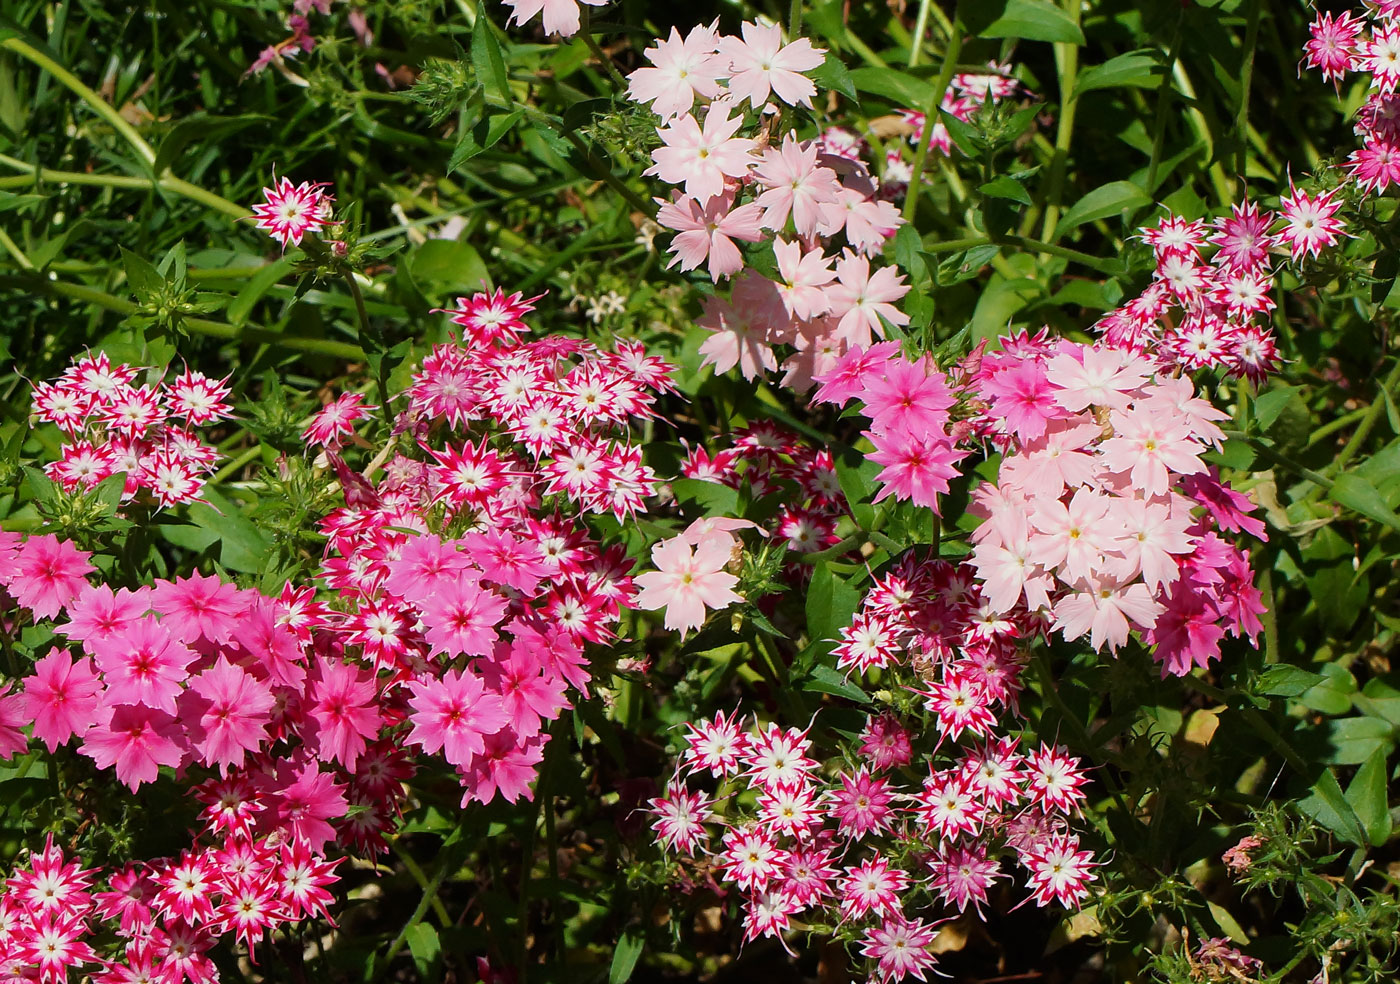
303 799
61 697
137 739
859 300
345 711
899 948
226 713
707 232
917 467
12 722
49 574
336 421
291 211
686 583
461 618
143 664
560 16
761 62
454 715
795 185
702 159
802 279
682 70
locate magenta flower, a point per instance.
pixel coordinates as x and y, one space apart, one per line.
136 739
49 574
61 697
226 713
454 715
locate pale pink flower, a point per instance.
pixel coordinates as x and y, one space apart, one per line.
560 16
682 70
702 158
795 185
707 232
803 277
859 299
761 62
688 582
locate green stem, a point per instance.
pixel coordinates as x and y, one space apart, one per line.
13 249
1363 430
170 183
940 86
795 20
920 26
1164 92
429 896
367 333
599 53
1251 38
99 105
246 332
1067 62
1332 426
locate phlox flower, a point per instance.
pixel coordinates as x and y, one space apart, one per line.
303 798
705 232
885 742
751 858
134 738
917 467
715 746
688 581
529 693
335 421
98 613
859 300
1310 223
803 275
143 664
853 373
680 70
61 698
871 887
681 816
1054 780
702 158
735 340
760 62
560 17
1096 376
862 805
343 706
226 714
494 317
454 714
1107 611
197 606
12 723
504 768
1333 44
1059 871
795 184
290 211
462 617
1150 447
48 574
962 873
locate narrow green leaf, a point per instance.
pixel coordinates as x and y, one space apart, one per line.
423 943
1329 807
823 679
1134 68
1282 680
258 285
140 273
1367 796
625 956
487 60
1111 199
1351 491
202 127
899 88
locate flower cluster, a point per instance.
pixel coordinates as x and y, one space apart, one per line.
869 842
1369 45
121 419
707 89
156 921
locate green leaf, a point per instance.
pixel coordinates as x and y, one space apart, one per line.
831 601
1366 795
1333 695
258 285
823 679
832 74
445 266
487 61
625 956
968 138
1135 68
243 547
423 943
482 137
199 126
1110 199
1329 807
712 497
10 201
1282 680
897 87
1033 20
140 273
1268 406
1351 491
1005 187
